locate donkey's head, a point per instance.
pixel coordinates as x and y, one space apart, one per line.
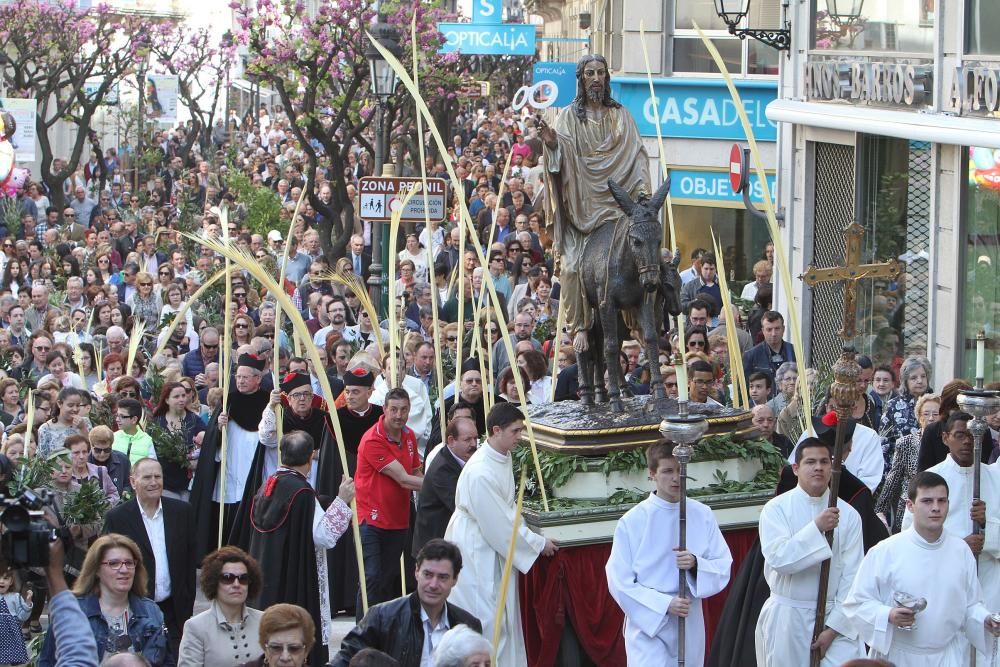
644 231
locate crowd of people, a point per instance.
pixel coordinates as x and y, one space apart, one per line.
113 385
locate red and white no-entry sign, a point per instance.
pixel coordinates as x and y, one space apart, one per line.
738 166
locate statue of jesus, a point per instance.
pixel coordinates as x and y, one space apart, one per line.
593 139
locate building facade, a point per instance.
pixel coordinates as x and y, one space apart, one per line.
890 118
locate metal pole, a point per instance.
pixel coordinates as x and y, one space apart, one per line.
685 430
844 393
376 268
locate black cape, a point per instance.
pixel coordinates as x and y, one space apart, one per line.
342 560
317 424
281 542
245 410
733 643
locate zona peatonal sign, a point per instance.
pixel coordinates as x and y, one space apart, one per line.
382 195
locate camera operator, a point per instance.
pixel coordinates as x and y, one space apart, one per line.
68 625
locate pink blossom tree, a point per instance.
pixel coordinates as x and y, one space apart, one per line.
201 65
69 60
316 63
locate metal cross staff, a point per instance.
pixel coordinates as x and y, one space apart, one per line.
850 274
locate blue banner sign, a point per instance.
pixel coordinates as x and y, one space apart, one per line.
487 11
714 186
561 74
509 39
697 108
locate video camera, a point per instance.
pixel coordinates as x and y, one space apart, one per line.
25 536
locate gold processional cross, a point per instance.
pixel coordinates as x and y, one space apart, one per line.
850 274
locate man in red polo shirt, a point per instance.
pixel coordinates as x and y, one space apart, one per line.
388 474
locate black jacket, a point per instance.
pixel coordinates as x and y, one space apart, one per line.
437 498
178 518
395 628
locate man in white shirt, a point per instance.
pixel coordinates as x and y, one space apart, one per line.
645 565
693 271
957 470
793 541
939 635
161 527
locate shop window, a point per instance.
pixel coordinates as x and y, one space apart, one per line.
982 257
742 57
983 28
894 189
888 26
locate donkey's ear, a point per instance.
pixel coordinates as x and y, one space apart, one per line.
624 201
656 201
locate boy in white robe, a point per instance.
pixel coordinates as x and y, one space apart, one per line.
939 635
643 570
482 526
957 470
792 538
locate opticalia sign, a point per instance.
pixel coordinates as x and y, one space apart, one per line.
508 39
688 184
697 108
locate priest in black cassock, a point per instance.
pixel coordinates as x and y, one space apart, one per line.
291 533
356 417
246 404
733 643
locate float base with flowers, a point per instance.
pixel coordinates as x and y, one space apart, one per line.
593 463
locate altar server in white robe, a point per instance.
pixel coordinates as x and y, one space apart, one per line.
864 458
957 469
939 635
794 545
482 526
643 570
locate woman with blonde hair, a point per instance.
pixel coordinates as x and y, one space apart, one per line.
111 591
243 330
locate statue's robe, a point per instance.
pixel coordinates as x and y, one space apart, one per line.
588 153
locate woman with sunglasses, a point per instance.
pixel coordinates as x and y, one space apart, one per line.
165 277
194 403
144 302
227 633
111 591
696 339
102 261
243 330
172 414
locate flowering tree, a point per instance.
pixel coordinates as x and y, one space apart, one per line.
54 50
317 65
201 66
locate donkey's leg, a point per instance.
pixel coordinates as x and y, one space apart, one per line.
650 335
585 375
597 345
609 322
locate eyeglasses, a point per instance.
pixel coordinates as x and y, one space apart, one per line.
452 339
230 577
103 261
8 245
101 450
164 273
696 343
118 564
41 348
670 385
69 215
300 396
292 649
145 284
207 346
241 326
239 295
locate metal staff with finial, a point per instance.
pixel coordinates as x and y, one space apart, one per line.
843 395
684 429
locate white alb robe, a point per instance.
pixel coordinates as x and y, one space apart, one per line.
953 617
481 526
794 549
865 460
643 578
959 522
241 445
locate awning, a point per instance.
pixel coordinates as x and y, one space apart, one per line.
936 128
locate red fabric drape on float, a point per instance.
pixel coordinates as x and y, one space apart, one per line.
573 584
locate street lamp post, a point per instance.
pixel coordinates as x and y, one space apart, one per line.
383 85
732 12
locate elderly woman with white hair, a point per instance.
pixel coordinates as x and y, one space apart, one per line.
900 415
463 647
